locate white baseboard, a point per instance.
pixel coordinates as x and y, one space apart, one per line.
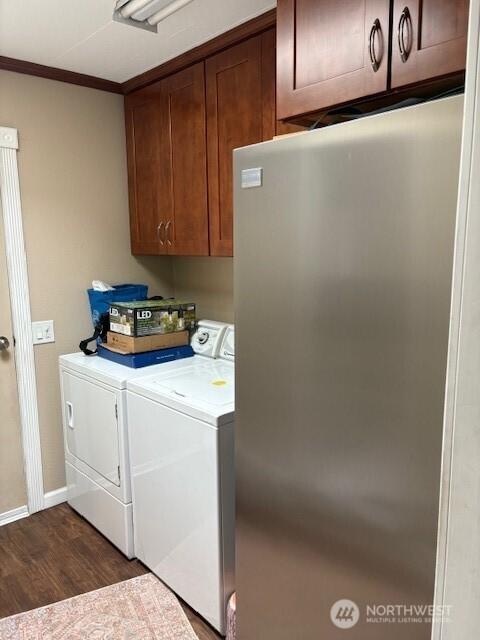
52 498
13 514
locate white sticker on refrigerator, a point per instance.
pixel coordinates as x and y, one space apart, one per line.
252 178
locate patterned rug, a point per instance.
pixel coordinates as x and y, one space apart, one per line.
138 609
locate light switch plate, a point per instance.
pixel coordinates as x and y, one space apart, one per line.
43 332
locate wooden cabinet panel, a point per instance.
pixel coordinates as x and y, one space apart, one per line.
183 166
143 157
330 52
167 167
181 124
323 29
239 113
429 39
271 125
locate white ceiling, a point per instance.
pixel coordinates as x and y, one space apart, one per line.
80 35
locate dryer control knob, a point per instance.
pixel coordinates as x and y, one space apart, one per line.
203 337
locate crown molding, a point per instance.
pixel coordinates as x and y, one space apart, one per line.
61 75
229 38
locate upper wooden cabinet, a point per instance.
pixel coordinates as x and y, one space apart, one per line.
181 124
166 151
429 39
143 158
240 111
183 163
330 52
181 130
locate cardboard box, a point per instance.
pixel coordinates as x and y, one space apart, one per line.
151 317
128 344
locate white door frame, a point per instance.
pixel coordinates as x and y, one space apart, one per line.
21 318
457 584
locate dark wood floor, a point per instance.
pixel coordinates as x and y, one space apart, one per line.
55 554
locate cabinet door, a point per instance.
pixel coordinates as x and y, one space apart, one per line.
183 206
330 52
429 39
143 157
239 113
271 123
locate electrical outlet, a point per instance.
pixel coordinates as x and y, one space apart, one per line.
43 332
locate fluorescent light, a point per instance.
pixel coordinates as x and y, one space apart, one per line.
134 5
146 13
167 11
152 7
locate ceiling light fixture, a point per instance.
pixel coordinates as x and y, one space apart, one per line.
161 14
146 13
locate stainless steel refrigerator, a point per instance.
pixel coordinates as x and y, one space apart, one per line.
343 262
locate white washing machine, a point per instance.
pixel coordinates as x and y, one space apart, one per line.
96 446
182 468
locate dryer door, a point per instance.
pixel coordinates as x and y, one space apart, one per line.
91 425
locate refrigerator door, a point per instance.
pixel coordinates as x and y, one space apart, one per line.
343 262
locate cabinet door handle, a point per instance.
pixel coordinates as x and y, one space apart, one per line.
376 28
161 233
168 233
405 21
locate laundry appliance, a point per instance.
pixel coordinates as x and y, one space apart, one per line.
181 434
97 466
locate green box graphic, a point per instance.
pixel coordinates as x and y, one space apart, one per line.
150 317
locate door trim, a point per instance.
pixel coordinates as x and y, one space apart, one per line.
458 556
21 317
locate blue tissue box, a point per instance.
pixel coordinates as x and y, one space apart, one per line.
138 360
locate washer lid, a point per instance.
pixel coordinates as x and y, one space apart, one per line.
204 390
210 385
111 373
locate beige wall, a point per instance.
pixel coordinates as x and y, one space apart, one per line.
209 283
73 182
74 197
